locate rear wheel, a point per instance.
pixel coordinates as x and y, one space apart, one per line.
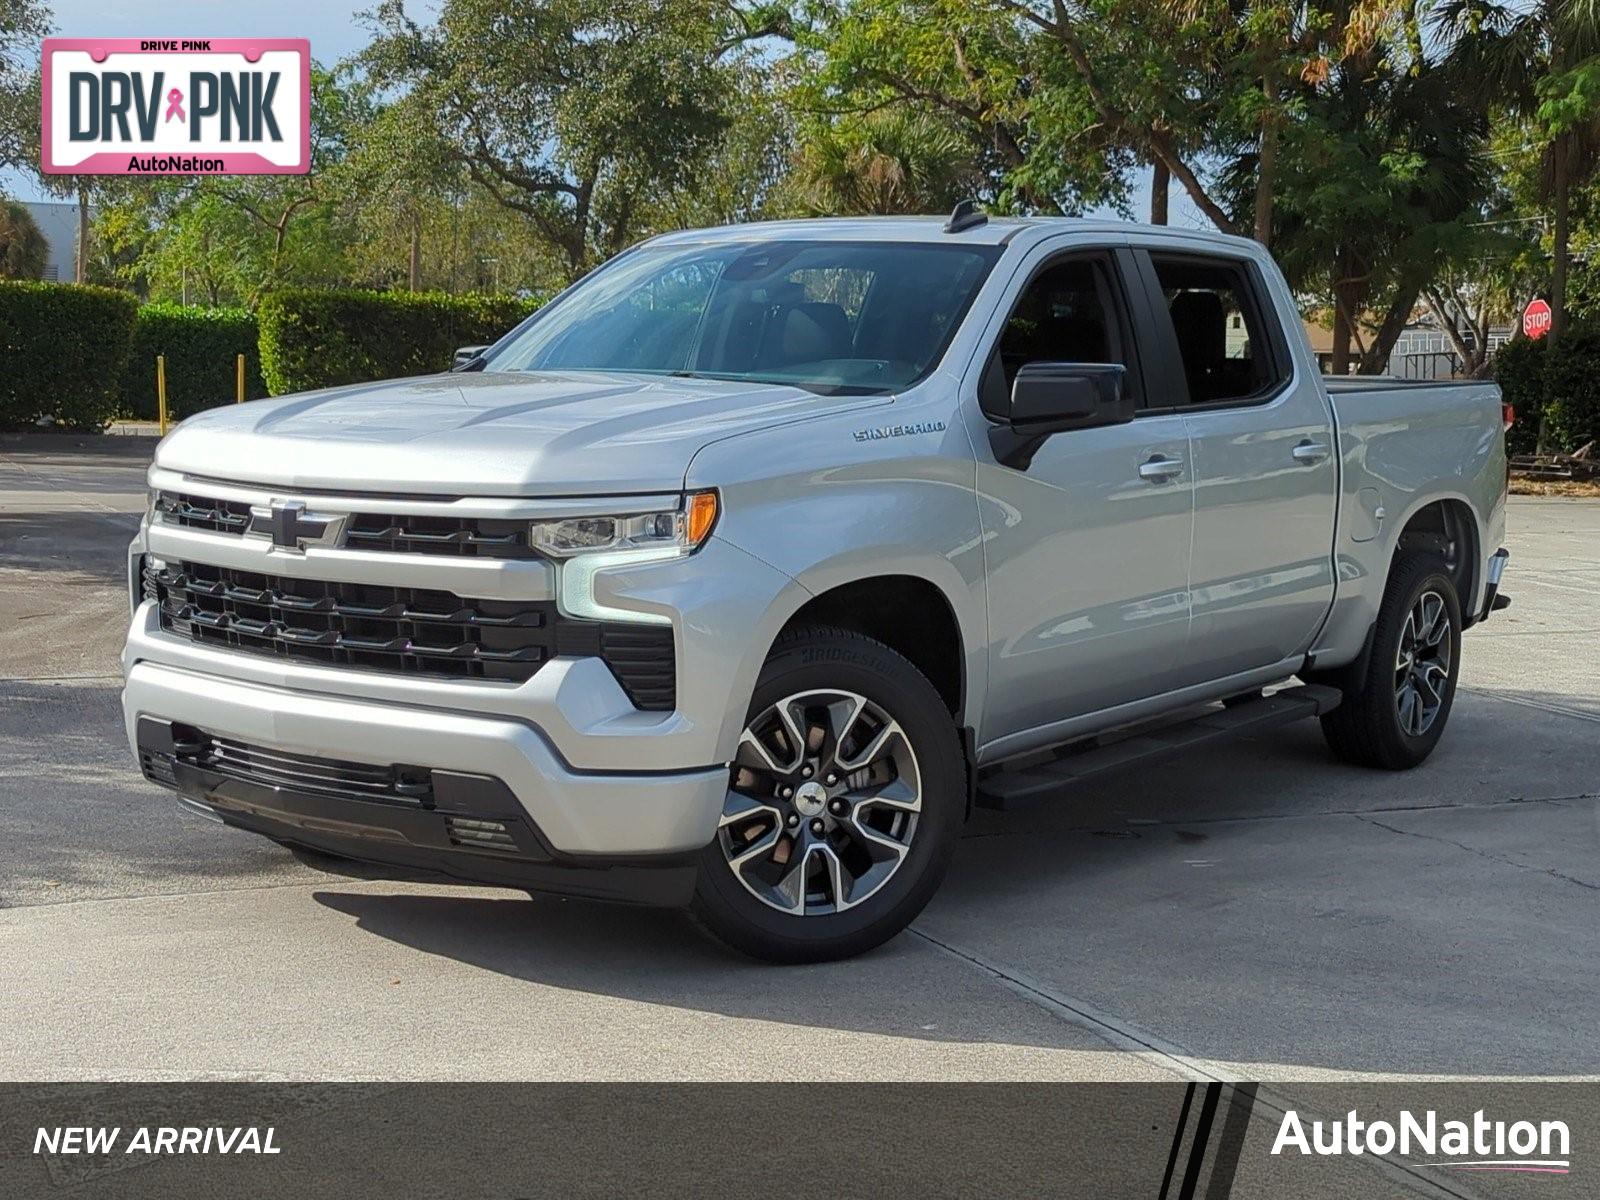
1397 715
844 802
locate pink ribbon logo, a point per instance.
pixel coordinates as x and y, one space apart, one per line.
175 105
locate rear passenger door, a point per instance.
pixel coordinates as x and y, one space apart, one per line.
1262 451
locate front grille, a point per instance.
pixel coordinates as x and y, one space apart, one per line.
464 537
403 630
202 512
408 630
393 533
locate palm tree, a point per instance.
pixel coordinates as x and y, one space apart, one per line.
23 247
1508 51
1383 167
884 164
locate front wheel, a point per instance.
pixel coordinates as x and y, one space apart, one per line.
845 799
1397 716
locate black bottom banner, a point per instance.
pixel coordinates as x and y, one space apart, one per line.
1199 1141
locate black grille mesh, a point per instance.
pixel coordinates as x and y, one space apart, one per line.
202 512
392 629
463 537
404 630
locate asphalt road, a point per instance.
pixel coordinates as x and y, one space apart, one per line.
1254 911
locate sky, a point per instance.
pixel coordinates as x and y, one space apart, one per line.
336 31
332 25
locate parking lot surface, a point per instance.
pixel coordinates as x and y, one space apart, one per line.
1254 910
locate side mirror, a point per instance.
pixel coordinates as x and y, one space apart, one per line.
1057 397
466 356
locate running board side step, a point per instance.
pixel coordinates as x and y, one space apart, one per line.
1008 788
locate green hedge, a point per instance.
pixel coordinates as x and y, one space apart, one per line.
64 347
1572 387
1519 368
201 346
315 339
1561 382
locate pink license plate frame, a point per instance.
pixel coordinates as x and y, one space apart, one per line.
231 162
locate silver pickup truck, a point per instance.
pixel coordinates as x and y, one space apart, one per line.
737 575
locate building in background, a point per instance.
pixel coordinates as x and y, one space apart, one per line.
59 224
1424 349
1320 337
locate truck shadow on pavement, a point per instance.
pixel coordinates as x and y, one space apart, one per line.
656 957
1253 903
1438 922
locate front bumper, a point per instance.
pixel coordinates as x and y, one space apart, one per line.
601 781
588 831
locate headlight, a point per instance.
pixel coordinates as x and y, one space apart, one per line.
587 545
680 530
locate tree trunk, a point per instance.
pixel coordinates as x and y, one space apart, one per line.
415 274
1561 202
1160 186
1375 358
80 272
1267 164
1161 147
1446 313
1339 363
1343 316
1197 192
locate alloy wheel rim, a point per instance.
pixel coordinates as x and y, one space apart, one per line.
823 801
1422 664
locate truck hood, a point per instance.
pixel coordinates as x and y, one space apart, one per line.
491 434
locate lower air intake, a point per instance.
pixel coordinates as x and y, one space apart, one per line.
476 834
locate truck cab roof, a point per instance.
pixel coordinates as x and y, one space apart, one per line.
996 231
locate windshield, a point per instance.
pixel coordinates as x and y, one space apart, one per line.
832 317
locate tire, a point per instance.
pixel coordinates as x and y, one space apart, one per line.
858 703
1373 726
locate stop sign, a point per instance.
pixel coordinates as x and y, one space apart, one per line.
1536 319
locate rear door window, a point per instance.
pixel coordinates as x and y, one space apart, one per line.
1219 330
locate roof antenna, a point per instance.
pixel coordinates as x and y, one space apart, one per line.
966 216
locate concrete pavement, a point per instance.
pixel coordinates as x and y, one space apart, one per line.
1252 910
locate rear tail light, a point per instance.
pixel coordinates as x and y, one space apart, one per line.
1508 414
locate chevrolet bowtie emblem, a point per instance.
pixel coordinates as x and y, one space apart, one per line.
291 527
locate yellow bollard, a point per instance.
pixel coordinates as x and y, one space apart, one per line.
239 378
161 391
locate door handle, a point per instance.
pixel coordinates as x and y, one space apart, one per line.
1159 469
1309 452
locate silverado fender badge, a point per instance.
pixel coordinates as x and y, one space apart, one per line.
291 527
889 431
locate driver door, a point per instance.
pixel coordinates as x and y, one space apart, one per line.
1088 545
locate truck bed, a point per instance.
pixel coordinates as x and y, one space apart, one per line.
1338 385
